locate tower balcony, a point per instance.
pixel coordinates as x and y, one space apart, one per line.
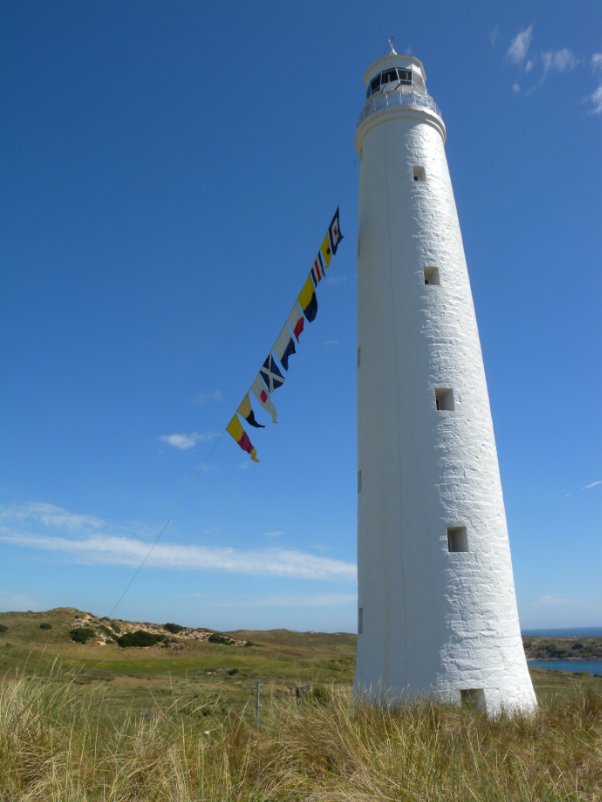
386 100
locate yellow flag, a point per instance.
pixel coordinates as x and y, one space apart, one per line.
306 293
326 250
236 431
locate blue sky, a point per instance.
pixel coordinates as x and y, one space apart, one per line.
168 172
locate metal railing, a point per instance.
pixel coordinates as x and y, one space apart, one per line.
390 99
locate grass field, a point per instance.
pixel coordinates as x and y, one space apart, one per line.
83 723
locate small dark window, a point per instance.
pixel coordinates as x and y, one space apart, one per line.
359 356
457 539
375 84
359 481
360 620
473 697
444 398
431 275
418 173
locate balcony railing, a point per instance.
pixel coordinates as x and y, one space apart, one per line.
387 100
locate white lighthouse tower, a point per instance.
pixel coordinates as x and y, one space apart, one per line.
437 608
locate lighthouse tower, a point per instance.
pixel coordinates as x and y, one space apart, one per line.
437 608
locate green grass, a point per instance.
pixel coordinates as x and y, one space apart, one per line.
91 723
59 743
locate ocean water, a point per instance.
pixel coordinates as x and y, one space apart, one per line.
587 666
573 632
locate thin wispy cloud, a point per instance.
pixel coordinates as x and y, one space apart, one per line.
320 600
563 60
33 526
596 100
589 486
337 280
49 515
209 396
549 600
184 442
331 343
205 467
519 46
494 35
18 601
110 550
547 63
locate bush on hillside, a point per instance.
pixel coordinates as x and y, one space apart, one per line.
82 634
139 638
217 637
173 628
45 625
3 627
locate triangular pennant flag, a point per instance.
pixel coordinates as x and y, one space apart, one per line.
334 232
326 250
235 430
271 375
317 270
284 347
296 321
308 300
264 399
246 411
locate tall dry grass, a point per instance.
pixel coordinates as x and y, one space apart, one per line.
55 747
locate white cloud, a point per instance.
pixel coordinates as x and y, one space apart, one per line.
598 481
320 600
563 60
516 87
275 533
596 100
494 35
111 550
519 46
529 65
553 601
184 442
18 601
209 395
596 61
49 515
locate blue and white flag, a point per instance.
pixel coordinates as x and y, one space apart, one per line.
271 375
284 347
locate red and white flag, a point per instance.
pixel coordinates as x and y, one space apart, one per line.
264 399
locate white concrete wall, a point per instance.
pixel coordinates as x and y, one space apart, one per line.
434 622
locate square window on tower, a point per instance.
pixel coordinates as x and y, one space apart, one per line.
457 539
473 697
418 173
431 275
444 398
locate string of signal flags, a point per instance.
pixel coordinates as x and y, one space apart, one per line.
270 376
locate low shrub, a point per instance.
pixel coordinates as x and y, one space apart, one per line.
82 634
45 625
3 627
139 637
217 637
173 628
